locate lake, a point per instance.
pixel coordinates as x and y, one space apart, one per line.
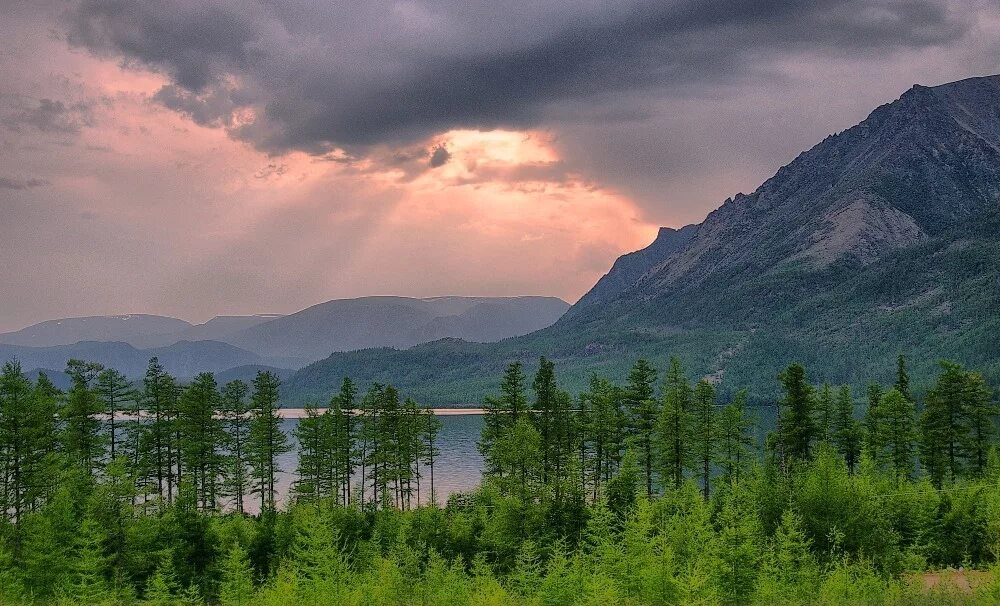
456 469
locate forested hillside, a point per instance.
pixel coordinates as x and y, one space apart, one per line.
880 239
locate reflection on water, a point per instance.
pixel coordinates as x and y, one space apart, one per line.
456 469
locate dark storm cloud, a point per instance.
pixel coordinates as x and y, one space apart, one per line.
21 184
45 115
440 156
319 75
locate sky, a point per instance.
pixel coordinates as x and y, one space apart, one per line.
200 157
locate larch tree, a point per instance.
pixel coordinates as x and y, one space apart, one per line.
735 439
201 437
117 395
847 434
267 442
825 412
642 414
897 417
236 425
798 429
546 394
82 433
703 434
674 425
942 427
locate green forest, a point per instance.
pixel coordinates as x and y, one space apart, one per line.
655 490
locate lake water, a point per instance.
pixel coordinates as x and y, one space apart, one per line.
456 469
459 464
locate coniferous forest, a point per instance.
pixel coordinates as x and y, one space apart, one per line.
655 491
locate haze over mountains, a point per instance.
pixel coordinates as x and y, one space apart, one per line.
241 345
880 240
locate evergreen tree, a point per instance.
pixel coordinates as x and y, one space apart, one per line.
740 550
825 413
236 424
501 412
603 434
735 439
25 437
201 436
236 588
267 442
342 435
874 439
674 425
116 393
902 378
642 415
160 403
87 582
943 432
703 435
797 429
847 429
82 434
430 451
980 418
314 459
546 394
898 429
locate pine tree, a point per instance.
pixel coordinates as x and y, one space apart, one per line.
703 435
847 429
898 430
236 424
795 414
267 442
735 439
674 425
642 413
116 393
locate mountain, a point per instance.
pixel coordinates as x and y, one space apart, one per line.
629 268
226 342
350 324
882 239
184 359
220 328
66 331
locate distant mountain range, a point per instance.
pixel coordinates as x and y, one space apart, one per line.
880 240
237 346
